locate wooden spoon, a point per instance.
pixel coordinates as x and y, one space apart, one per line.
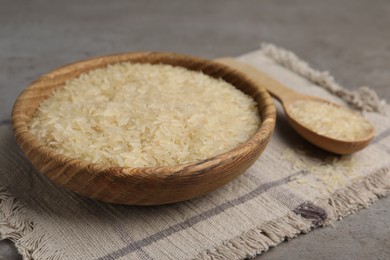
287 97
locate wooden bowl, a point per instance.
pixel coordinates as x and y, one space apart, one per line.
147 185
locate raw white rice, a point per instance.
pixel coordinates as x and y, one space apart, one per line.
329 120
137 115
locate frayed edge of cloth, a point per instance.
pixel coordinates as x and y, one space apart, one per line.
17 226
359 195
364 99
340 204
260 239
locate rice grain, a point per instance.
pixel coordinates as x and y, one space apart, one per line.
140 115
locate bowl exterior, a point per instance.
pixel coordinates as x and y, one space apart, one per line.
149 185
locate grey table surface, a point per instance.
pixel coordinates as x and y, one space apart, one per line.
349 38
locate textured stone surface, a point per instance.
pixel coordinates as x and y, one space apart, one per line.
351 39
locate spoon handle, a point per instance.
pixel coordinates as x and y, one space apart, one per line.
275 88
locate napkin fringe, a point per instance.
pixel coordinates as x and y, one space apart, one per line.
364 98
258 240
18 227
341 204
359 195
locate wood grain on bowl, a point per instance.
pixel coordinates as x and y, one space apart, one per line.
147 185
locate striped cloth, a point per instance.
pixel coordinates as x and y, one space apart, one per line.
292 188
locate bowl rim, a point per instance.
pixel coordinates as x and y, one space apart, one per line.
22 133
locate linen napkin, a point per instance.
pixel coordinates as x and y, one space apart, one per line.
292 188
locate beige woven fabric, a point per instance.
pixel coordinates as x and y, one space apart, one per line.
292 188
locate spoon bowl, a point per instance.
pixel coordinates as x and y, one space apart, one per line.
288 97
325 142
